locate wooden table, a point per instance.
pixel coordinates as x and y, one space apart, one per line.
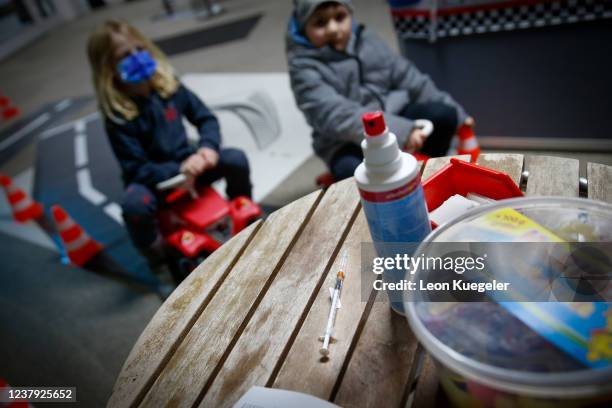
252 312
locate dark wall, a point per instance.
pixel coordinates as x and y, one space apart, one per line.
552 82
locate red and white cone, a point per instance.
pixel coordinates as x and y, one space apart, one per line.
7 109
24 208
80 247
6 401
467 142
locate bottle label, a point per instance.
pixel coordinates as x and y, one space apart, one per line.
398 215
391 195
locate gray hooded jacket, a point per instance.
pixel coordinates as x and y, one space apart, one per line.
333 89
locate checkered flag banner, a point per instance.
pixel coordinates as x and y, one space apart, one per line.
423 19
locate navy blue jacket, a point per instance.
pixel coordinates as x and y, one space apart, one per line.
151 147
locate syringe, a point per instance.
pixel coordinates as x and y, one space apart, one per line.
334 305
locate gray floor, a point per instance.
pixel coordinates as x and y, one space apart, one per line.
65 326
56 66
77 328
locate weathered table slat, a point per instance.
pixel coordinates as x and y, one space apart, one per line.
304 370
261 346
511 164
195 359
436 163
550 175
599 177
382 364
173 319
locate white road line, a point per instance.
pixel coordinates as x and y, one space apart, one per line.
70 125
113 210
63 105
79 126
56 130
21 133
29 232
87 190
80 150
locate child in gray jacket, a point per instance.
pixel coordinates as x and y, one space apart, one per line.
339 70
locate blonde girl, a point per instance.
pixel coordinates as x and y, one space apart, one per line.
143 104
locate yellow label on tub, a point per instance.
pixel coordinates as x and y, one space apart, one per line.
516 226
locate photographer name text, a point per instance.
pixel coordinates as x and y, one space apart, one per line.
455 285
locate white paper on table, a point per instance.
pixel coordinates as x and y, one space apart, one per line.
262 397
452 208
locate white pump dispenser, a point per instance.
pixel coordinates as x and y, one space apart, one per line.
391 192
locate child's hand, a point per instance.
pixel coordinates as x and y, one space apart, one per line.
469 121
210 156
189 183
415 140
193 166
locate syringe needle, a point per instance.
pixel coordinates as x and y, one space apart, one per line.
343 261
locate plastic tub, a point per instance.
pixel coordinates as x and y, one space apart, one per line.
489 358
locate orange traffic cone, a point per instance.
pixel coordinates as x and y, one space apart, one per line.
79 246
24 208
8 110
467 142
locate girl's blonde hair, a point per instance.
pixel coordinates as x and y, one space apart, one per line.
114 103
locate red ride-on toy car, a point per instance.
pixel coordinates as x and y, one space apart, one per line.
196 222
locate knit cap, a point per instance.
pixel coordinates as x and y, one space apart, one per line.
305 8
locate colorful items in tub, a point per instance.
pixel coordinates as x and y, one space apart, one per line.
583 330
580 329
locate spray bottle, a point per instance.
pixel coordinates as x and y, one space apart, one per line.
392 196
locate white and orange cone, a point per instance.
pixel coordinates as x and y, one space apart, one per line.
80 247
468 143
24 208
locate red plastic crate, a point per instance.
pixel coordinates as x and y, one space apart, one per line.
459 177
